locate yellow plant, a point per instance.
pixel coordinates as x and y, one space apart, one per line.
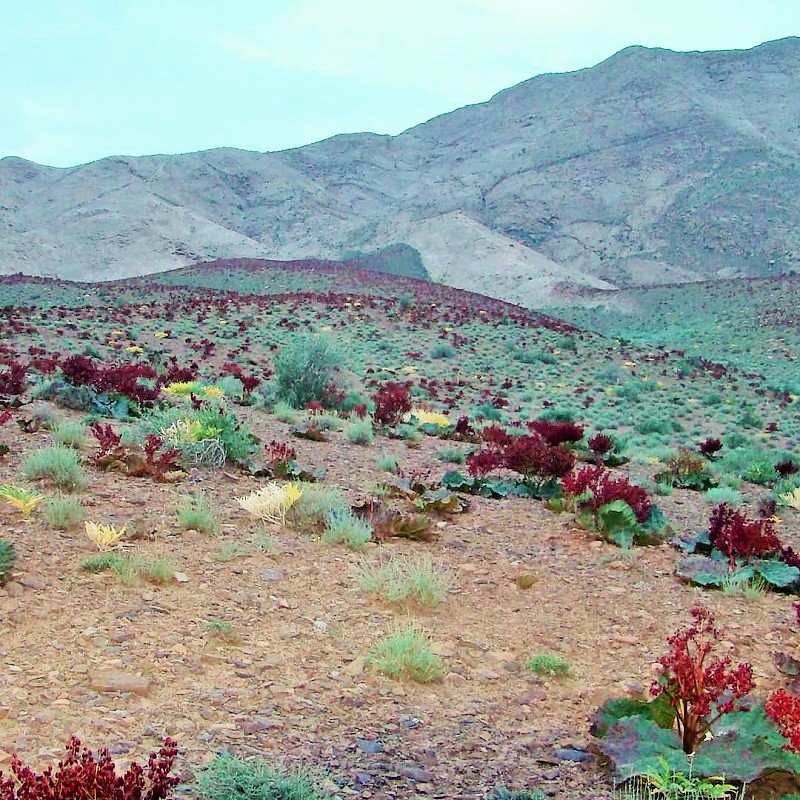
161 335
103 536
134 348
271 502
25 500
188 430
182 388
792 499
213 391
424 417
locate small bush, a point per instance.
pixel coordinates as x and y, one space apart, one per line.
345 528
359 431
451 455
58 465
304 369
69 434
549 664
403 580
315 505
63 512
228 777
387 463
723 494
283 412
443 350
129 568
7 559
406 655
195 512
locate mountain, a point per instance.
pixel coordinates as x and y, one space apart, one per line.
651 167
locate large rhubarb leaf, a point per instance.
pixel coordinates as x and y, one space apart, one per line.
705 571
658 710
775 572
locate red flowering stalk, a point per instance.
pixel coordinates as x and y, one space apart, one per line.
360 410
125 380
700 687
710 447
159 463
464 429
596 487
480 464
786 468
536 460
82 776
5 416
12 378
732 533
784 710
107 438
554 432
79 370
600 444
392 400
496 437
279 455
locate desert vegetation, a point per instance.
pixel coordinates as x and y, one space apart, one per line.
333 541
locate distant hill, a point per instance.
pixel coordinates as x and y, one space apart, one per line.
651 167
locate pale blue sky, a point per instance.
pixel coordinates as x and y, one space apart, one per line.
83 79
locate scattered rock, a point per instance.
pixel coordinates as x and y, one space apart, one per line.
416 774
116 681
368 746
14 589
571 754
270 575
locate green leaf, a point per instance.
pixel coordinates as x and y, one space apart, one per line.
776 572
636 745
454 480
659 710
746 745
702 570
618 522
699 543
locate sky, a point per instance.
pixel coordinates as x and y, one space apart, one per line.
84 79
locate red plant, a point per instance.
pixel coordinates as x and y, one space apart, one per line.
82 776
392 400
480 464
464 429
601 444
279 455
496 436
535 459
596 487
5 416
157 463
79 370
555 432
700 687
360 410
786 468
125 380
732 533
710 447
12 378
107 438
784 710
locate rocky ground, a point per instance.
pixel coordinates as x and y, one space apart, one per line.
124 665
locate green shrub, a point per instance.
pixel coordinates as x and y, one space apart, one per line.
723 494
405 654
387 463
345 528
69 434
283 412
549 664
7 558
522 794
129 568
304 368
195 512
403 580
63 512
228 778
359 431
315 505
443 350
59 465
451 455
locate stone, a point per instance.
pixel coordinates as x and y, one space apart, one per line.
270 575
112 680
416 774
14 589
368 746
571 754
32 582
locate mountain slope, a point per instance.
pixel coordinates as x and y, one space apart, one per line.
653 166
